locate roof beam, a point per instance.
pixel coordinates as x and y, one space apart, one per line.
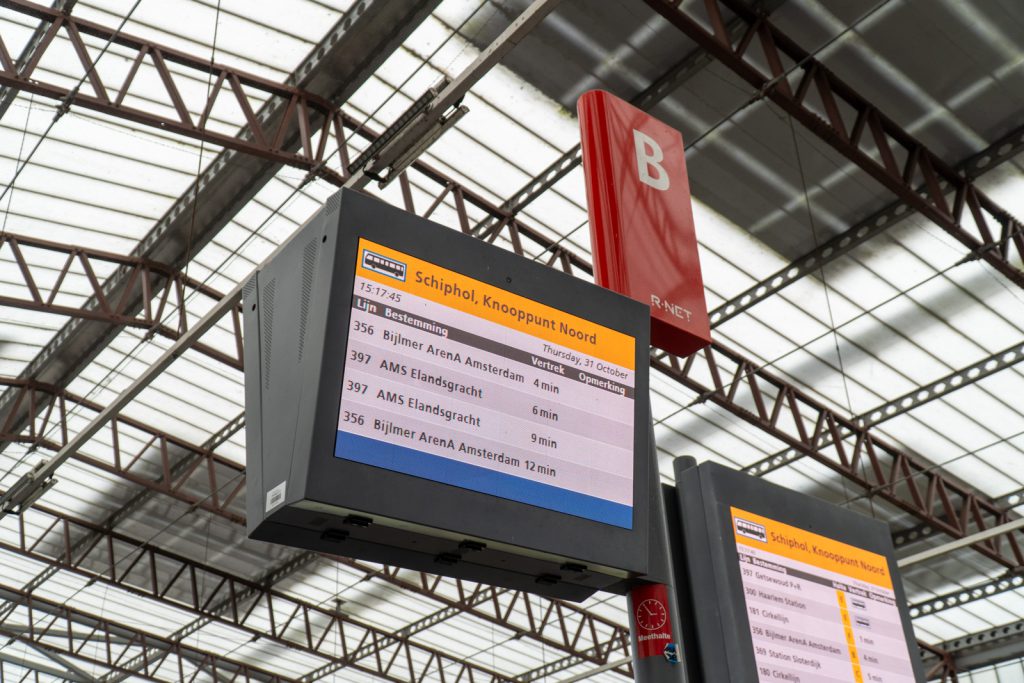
68 631
300 114
1004 149
268 580
67 672
138 452
903 164
162 290
220 597
939 664
32 47
965 596
840 443
958 379
551 668
123 511
920 532
984 648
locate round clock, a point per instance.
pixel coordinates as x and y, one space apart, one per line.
651 615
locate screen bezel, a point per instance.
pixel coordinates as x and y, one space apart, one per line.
386 495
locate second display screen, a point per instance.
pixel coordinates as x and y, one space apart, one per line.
820 611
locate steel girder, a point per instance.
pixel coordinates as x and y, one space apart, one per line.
920 532
279 118
69 670
138 452
161 290
964 596
316 120
87 540
843 445
939 664
72 632
984 648
953 381
947 197
7 95
1004 149
903 164
256 608
64 673
999 152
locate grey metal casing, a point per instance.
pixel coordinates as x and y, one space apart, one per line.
296 317
722 630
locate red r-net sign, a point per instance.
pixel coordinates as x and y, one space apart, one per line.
641 221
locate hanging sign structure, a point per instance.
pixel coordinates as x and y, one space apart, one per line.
423 399
641 220
787 587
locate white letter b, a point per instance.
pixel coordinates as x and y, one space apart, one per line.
648 156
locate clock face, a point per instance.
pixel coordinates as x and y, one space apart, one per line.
651 615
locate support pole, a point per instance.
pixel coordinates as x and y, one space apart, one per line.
654 614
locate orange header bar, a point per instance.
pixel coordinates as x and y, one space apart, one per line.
446 287
809 548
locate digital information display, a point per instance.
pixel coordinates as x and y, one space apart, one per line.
820 611
452 379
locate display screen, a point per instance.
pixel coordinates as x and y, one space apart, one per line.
455 380
820 611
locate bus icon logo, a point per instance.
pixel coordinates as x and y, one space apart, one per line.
383 265
751 530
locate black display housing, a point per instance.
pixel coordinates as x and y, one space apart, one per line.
722 627
296 317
